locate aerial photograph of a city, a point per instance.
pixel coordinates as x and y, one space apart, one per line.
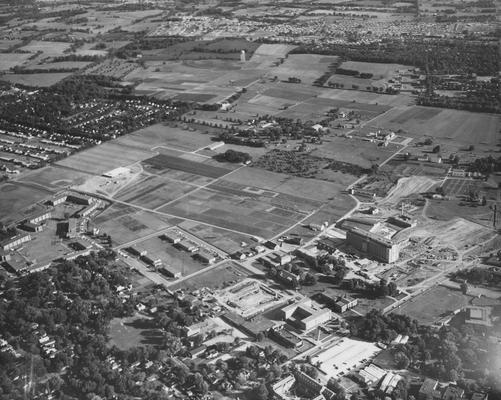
250 199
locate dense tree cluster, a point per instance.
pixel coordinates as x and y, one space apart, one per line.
233 156
440 56
478 276
486 165
375 326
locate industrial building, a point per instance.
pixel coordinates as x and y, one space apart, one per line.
303 316
373 245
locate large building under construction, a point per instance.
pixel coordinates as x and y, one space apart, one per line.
375 246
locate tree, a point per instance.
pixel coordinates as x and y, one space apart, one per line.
401 360
260 336
464 287
428 142
261 393
436 149
310 279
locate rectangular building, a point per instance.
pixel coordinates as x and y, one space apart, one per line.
15 241
373 245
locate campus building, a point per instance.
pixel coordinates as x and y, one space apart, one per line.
375 246
303 316
15 241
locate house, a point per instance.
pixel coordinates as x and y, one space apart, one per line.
198 351
281 258
289 278
453 392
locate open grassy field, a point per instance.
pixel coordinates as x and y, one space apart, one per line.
354 151
379 70
6 44
126 224
433 304
14 197
307 67
445 125
10 60
36 80
368 97
55 177
446 210
227 241
50 49
97 160
315 190
129 332
218 277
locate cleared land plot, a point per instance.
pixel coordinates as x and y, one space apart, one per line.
173 258
461 187
36 80
447 125
164 161
408 186
217 278
444 210
126 224
354 151
152 191
104 157
10 60
14 197
242 214
227 241
433 304
55 177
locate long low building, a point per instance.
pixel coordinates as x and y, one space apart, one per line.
375 246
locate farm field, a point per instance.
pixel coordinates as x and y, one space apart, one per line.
216 278
315 190
163 162
447 126
152 191
6 44
266 54
60 65
36 80
244 215
10 60
368 97
307 67
461 187
171 136
433 304
14 197
49 49
379 70
354 151
125 223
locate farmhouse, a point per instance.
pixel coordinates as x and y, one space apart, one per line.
374 245
303 316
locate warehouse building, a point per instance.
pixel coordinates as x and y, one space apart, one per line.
375 246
